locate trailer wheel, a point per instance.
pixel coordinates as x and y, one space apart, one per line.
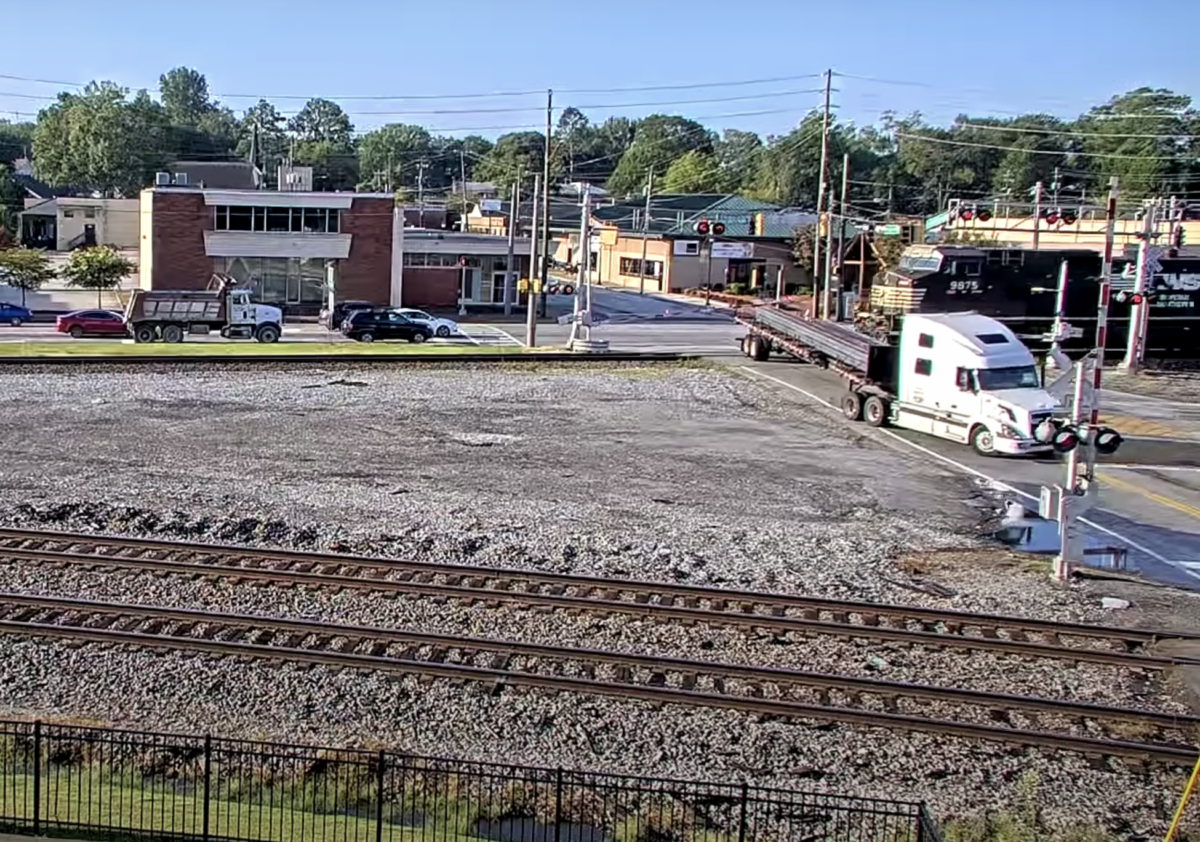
143 333
852 406
875 411
267 334
172 334
983 440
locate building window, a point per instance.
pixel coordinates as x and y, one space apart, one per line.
277 280
275 220
89 213
924 367
68 214
414 258
632 266
925 340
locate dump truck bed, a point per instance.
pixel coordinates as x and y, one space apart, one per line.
176 306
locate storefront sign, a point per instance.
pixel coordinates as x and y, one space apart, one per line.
735 251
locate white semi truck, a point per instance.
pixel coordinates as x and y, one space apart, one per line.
957 376
170 315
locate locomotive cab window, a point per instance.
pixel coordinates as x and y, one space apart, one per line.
967 268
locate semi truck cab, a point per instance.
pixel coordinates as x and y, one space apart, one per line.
968 378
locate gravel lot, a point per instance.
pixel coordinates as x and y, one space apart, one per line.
679 473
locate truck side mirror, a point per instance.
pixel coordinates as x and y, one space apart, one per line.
964 380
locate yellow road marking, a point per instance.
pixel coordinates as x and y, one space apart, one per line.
1170 503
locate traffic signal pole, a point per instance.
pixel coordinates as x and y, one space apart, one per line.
1037 213
823 287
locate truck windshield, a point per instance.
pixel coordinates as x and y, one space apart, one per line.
1013 377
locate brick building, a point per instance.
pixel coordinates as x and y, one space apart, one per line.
282 245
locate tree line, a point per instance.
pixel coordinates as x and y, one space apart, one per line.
109 139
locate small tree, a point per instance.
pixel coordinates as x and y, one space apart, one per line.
887 250
804 247
98 268
25 269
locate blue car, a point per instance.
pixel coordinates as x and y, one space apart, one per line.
14 314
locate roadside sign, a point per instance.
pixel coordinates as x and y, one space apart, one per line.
888 230
491 206
736 251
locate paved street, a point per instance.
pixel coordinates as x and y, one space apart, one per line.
1149 500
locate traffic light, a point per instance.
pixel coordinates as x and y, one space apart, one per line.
718 228
701 227
1178 240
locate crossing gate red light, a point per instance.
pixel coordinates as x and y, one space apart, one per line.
1052 217
1065 440
966 214
702 227
718 228
984 215
1069 217
1106 441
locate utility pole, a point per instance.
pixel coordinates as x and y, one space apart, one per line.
584 259
390 169
1056 186
1135 345
531 287
1037 213
514 218
462 188
837 290
545 268
646 232
1110 236
420 192
821 199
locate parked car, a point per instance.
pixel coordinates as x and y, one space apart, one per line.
14 314
441 327
341 311
83 323
369 325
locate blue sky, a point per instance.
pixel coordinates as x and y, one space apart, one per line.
939 58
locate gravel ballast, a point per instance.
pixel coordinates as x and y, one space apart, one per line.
674 473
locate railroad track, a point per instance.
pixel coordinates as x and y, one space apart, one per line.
1088 729
774 613
318 358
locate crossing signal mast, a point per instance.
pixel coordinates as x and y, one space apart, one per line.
707 232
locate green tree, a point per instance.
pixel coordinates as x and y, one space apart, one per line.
396 154
694 172
322 121
737 155
1144 139
15 140
804 240
262 138
658 140
25 269
100 140
184 96
518 151
98 268
12 201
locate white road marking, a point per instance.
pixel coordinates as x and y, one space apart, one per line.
516 341
1000 484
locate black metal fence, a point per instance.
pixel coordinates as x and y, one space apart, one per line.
97 783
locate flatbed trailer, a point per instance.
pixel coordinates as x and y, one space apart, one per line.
957 376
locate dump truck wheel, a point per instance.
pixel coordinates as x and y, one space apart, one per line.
143 333
852 406
875 411
172 334
267 334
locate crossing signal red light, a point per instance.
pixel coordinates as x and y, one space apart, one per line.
462 261
1106 441
1069 217
718 229
1065 440
1052 217
702 227
984 215
966 214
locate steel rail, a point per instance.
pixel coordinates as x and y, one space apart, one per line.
94 621
397 359
667 601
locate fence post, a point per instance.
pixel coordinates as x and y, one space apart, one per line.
379 796
742 818
558 794
37 777
207 785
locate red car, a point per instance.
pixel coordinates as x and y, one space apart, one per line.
83 323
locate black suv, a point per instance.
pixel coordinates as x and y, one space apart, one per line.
369 325
342 311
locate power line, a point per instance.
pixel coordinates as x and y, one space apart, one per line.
1062 152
